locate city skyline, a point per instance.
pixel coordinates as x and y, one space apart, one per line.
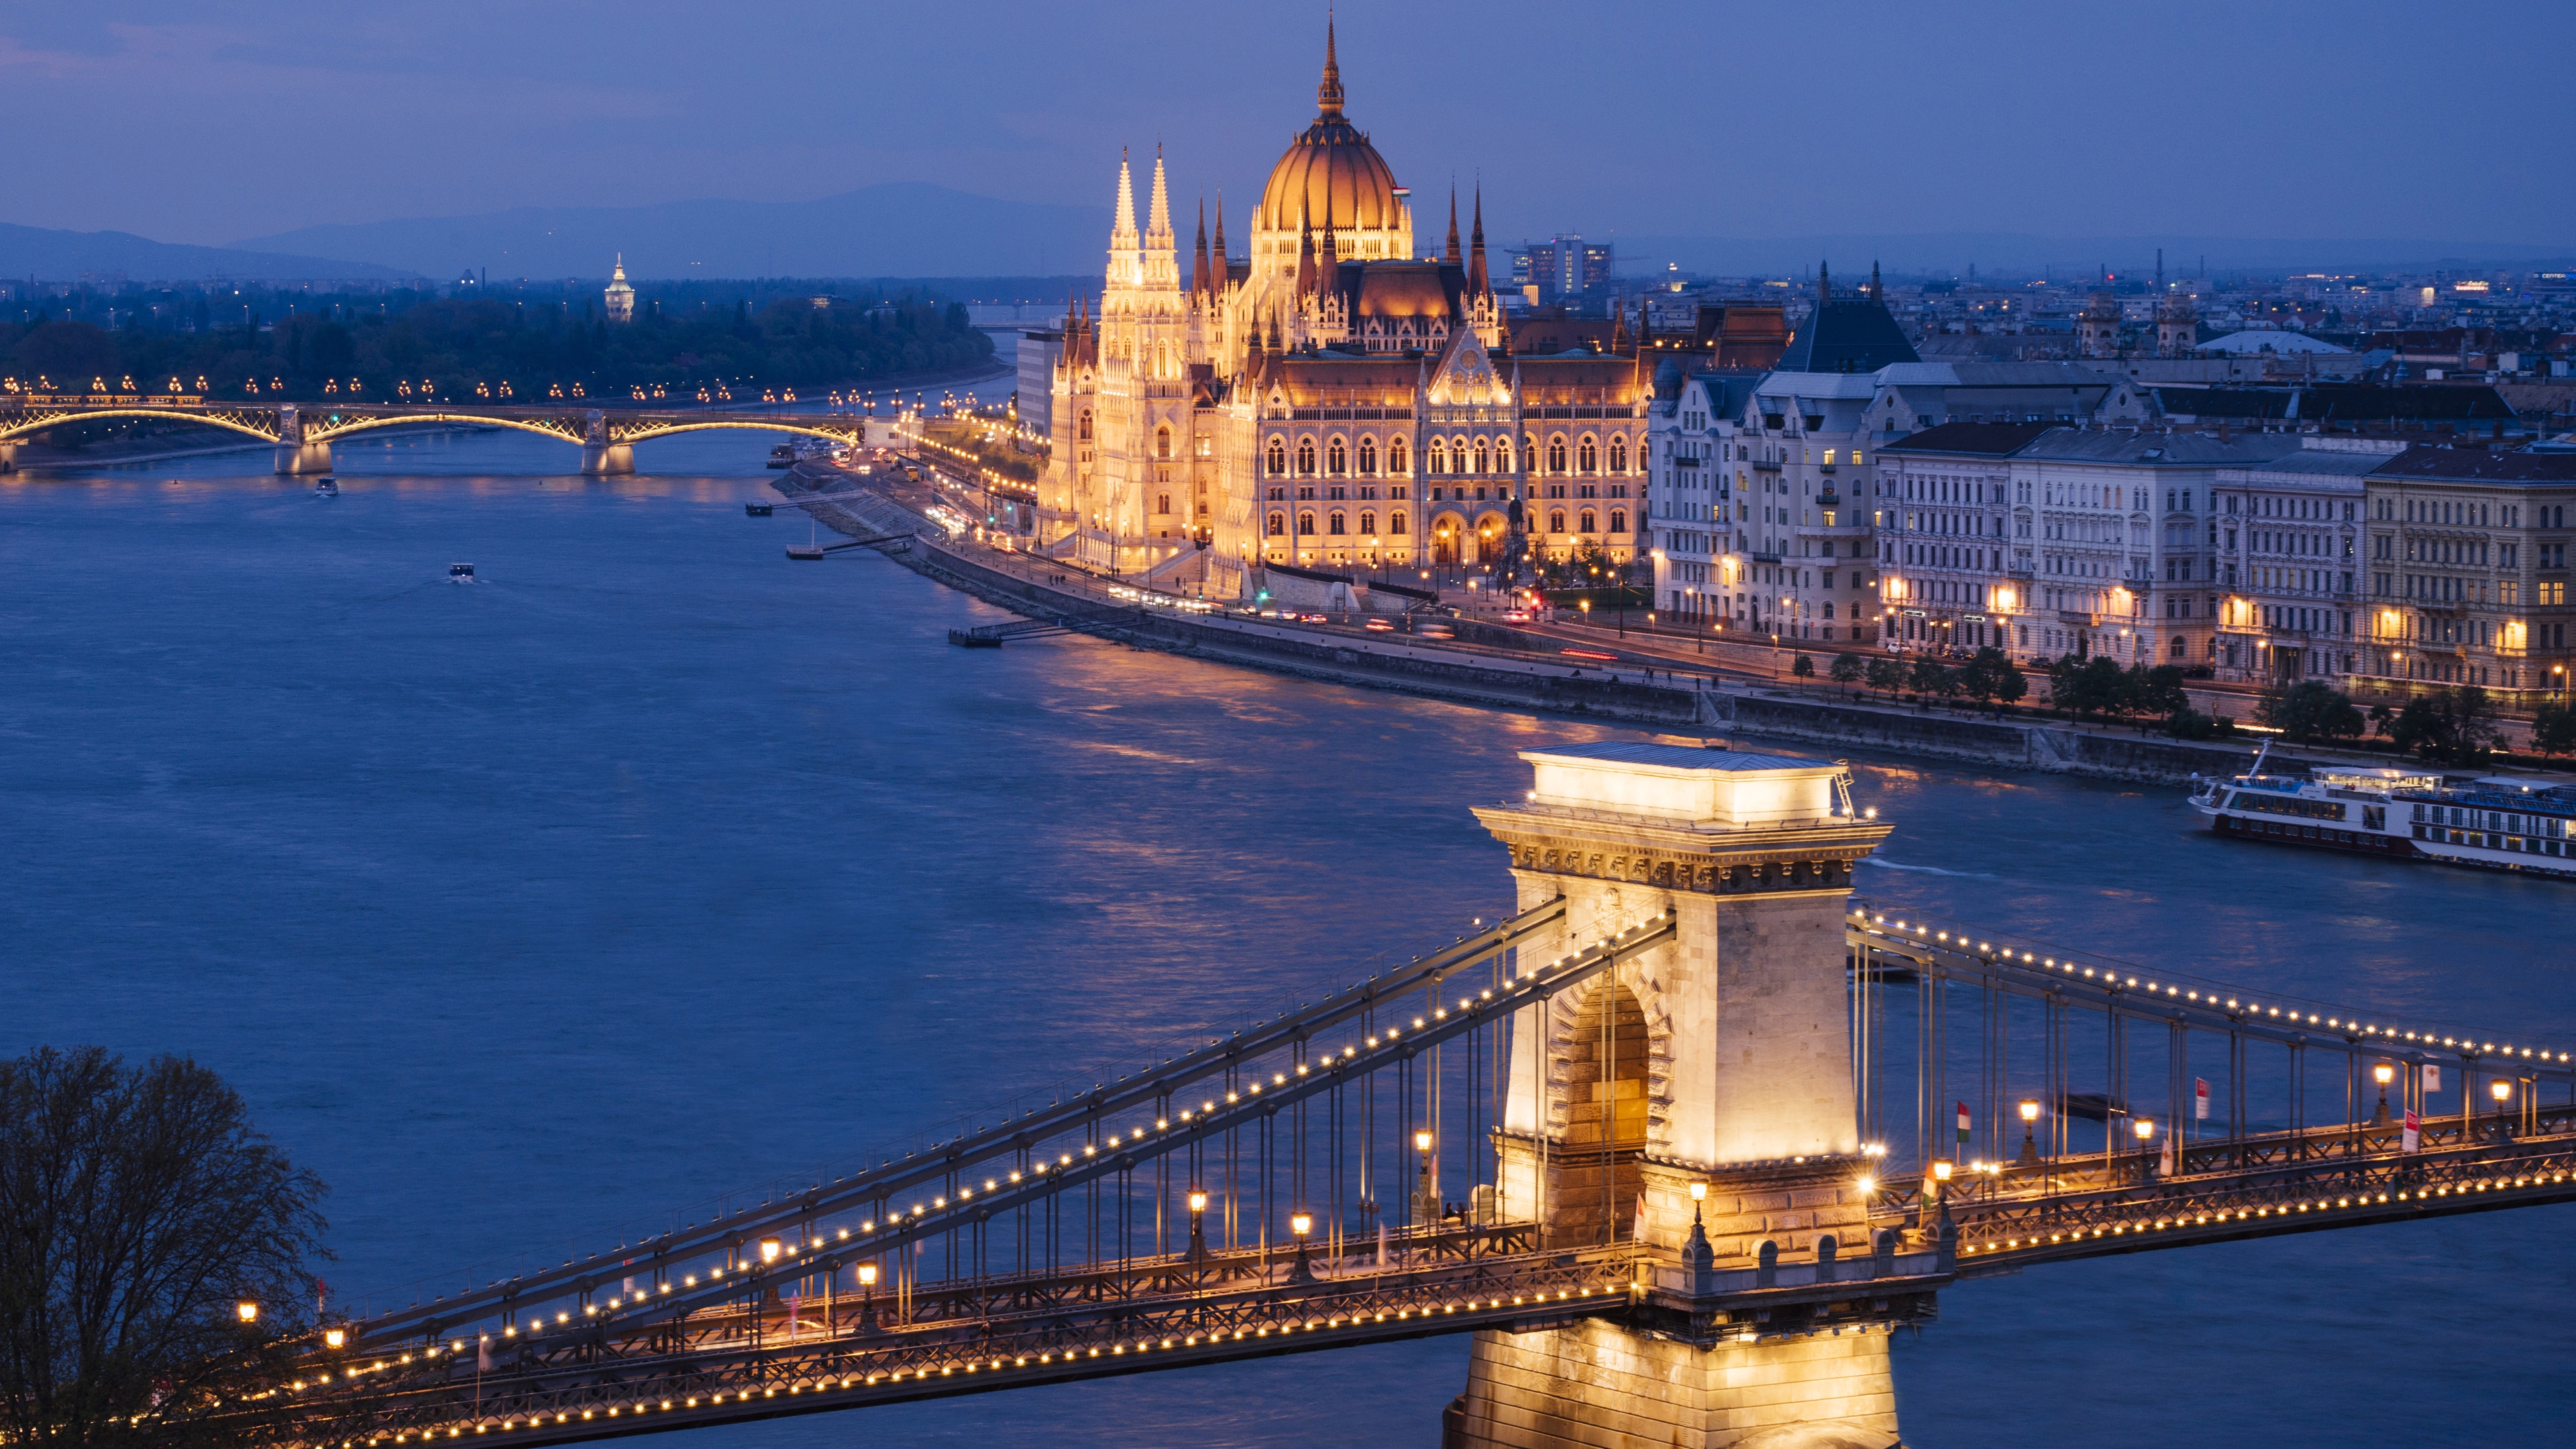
1988 125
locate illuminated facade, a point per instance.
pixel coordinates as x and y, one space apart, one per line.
620 296
1330 400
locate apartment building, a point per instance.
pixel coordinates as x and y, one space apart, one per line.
2464 566
2290 543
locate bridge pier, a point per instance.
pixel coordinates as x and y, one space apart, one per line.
295 455
607 460
8 455
1718 1058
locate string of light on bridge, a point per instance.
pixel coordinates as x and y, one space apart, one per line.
2246 1009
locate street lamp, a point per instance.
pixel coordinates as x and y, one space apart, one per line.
1198 1209
2502 1090
2384 1073
2145 1127
246 1311
1299 1225
1699 1194
867 1297
769 1250
335 1337
2029 1122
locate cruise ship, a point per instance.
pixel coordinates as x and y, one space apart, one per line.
2494 824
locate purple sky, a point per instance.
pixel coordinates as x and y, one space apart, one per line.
210 121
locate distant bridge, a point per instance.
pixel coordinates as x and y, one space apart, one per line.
303 432
1638 1132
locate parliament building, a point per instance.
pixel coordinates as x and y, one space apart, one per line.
1335 399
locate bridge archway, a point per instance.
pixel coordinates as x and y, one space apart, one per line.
1603 1052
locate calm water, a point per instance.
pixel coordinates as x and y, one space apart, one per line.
652 867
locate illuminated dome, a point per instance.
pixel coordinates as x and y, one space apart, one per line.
1330 169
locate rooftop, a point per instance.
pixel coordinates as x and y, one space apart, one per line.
1992 440
2470 465
1676 757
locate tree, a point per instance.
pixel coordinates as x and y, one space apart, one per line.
2154 690
1847 669
1886 675
2456 725
2311 710
1926 674
140 1207
2553 730
2086 686
1803 667
1988 674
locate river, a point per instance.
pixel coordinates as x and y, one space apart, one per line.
652 867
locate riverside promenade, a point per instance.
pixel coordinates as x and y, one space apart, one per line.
1647 681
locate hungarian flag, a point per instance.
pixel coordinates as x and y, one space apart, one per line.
1963 1124
2411 1140
2200 1099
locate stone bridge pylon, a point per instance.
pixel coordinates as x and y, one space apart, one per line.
1718 1058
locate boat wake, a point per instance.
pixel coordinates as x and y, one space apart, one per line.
1927 869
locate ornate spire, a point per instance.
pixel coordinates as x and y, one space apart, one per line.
1219 254
1451 256
1160 223
1305 252
1199 274
1478 282
1875 293
1328 96
1330 256
1125 222
1824 285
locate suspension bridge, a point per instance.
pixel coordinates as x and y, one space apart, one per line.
1681 1143
303 432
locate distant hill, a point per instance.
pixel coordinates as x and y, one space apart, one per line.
63 256
899 229
2015 253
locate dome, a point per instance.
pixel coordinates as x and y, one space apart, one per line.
1331 170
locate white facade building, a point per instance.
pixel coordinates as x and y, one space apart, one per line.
2291 535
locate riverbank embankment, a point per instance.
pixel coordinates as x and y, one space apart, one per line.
1494 673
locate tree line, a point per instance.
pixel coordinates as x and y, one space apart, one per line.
536 346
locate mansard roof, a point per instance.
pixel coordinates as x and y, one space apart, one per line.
1992 440
1847 335
2471 465
1400 289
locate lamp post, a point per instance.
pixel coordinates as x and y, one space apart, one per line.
1427 1190
2384 1073
2502 1090
2145 1127
2029 1125
1299 1225
1198 1242
246 1311
867 1297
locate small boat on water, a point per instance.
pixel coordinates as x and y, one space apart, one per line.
460 573
327 488
2493 823
782 456
760 510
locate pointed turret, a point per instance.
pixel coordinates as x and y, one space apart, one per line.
1478 283
1328 96
1219 254
1124 225
1876 292
1305 254
1824 285
1159 224
1199 283
1328 258
1451 256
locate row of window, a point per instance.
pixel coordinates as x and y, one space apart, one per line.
1446 455
1338 522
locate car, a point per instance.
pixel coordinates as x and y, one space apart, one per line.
1516 616
1380 624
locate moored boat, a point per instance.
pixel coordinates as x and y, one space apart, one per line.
2492 823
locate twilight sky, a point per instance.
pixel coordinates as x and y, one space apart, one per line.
213 120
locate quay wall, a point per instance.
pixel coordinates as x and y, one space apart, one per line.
1731 712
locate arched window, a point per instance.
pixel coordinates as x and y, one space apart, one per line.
1306 524
1483 458
1279 525
1339 523
1368 457
1306 456
1587 457
1337 458
1083 427
1395 455
1529 451
1368 525
1618 455
1591 523
1163 445
1556 521
1618 520
1502 455
1556 454
1395 523
1438 457
1278 458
